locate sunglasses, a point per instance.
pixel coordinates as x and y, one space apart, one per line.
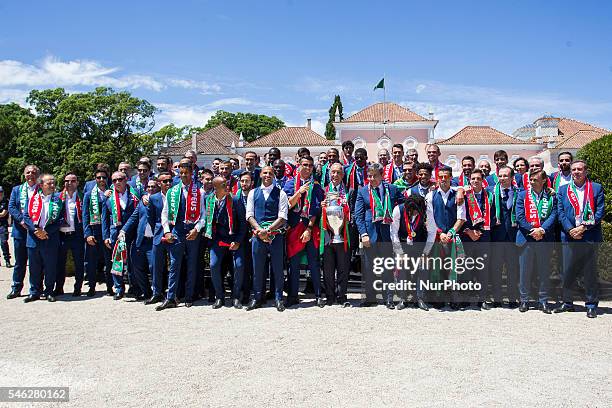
117 180
166 181
100 177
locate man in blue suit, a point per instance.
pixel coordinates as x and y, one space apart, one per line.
43 219
71 236
374 222
141 252
97 255
182 221
18 206
305 196
580 210
536 215
117 210
89 184
141 180
225 227
503 235
251 160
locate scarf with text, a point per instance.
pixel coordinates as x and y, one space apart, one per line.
192 208
352 181
381 208
498 200
211 203
479 215
115 204
35 209
79 206
588 203
304 206
536 211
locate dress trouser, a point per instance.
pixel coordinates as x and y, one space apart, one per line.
535 256
580 257
336 263
260 251
21 260
43 260
143 263
74 243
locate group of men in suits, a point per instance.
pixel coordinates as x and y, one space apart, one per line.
153 227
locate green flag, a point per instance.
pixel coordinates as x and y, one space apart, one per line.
380 85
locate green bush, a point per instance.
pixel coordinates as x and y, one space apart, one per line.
597 155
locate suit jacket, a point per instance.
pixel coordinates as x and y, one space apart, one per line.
524 227
486 235
221 222
137 223
377 231
78 225
52 227
109 229
505 231
318 195
92 230
154 210
14 209
567 217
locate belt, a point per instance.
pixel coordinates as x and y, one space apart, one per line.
68 233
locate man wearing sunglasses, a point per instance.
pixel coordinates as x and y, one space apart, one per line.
118 209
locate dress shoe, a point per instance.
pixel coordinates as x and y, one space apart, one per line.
43 297
280 306
253 304
401 305
422 305
565 307
367 303
91 292
523 307
118 296
291 302
390 305
168 304
141 298
110 292
9 264
188 303
347 304
237 304
31 298
485 306
329 302
76 293
496 304
13 295
153 300
513 305
218 303
320 302
591 312
50 298
545 308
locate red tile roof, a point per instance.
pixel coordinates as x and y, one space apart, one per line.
394 113
291 136
569 127
212 141
480 135
580 139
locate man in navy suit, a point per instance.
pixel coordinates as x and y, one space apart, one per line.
246 185
117 210
182 221
43 219
500 157
161 248
580 210
251 161
140 181
141 252
562 176
97 255
71 236
374 223
505 194
305 195
91 183
18 206
536 215
225 227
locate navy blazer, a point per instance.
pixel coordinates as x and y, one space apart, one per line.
525 227
78 226
255 173
138 222
14 209
221 222
378 232
486 235
109 229
52 228
318 195
94 230
567 217
505 231
142 190
154 210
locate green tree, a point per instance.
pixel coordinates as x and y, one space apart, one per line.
251 125
597 155
330 130
14 121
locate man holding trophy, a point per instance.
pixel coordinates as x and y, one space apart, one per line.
335 241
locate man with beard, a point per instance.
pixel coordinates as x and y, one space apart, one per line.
225 171
408 179
412 155
305 196
251 164
433 156
468 164
500 158
323 172
485 167
246 185
423 174
393 171
347 152
562 176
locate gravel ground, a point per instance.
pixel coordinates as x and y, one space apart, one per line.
114 353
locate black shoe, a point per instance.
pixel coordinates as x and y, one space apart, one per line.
565 307
9 264
50 298
320 302
422 305
76 293
346 304
31 298
485 306
513 305
591 312
253 304
523 307
110 292
545 308
188 303
456 305
292 302
329 302
13 295
118 296
496 304
153 300
401 305
58 293
237 304
280 306
390 305
91 292
141 298
168 304
218 303
367 303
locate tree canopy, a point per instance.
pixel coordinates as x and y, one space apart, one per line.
330 130
251 125
597 155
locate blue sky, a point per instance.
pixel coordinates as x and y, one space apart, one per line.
471 62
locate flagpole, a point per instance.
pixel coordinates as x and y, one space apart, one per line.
384 106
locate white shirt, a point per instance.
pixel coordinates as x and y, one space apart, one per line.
44 211
580 194
198 225
70 213
564 179
283 204
395 225
432 227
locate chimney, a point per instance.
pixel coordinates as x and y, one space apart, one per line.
194 142
309 123
431 115
337 115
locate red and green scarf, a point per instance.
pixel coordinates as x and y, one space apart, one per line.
498 200
211 202
95 212
347 216
304 208
119 257
79 204
588 210
35 209
351 175
381 211
537 211
115 204
477 214
411 227
194 197
23 195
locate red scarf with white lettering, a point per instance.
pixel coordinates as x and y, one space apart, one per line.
479 215
192 212
588 210
536 211
79 207
388 173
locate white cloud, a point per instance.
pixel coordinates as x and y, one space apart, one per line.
204 87
420 88
182 115
13 95
247 102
